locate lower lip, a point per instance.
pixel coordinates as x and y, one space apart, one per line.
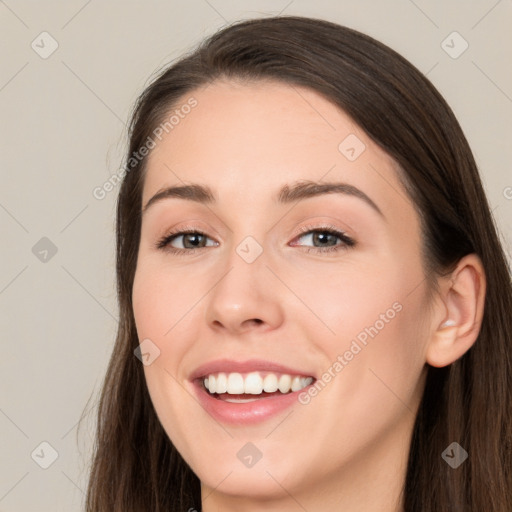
245 413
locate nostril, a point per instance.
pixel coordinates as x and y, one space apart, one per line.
253 321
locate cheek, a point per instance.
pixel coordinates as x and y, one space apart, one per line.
373 378
160 300
346 302
372 318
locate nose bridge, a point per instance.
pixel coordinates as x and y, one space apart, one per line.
244 294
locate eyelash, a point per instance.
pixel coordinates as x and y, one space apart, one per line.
347 242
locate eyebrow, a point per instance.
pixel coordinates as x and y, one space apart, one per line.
287 194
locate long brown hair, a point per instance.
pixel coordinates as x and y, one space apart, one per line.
135 465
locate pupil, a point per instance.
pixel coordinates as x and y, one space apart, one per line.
194 236
318 236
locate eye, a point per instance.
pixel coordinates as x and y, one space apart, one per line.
189 241
328 239
325 237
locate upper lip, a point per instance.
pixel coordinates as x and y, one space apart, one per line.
230 366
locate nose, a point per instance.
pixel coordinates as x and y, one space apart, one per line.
246 298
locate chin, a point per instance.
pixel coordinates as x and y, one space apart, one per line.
260 481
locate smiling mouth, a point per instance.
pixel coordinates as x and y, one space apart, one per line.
248 387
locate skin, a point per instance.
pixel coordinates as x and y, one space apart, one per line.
347 448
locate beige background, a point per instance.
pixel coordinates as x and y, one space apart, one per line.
63 134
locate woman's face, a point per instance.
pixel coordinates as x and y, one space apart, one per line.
282 283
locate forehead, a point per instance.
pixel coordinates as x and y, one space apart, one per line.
248 140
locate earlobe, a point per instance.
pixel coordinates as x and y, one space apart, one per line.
461 308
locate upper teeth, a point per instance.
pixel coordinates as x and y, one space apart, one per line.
253 383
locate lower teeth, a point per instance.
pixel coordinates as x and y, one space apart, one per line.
239 400
242 398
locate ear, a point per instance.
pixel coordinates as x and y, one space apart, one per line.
458 316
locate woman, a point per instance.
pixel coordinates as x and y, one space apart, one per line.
308 270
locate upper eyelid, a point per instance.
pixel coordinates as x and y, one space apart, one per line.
300 231
324 227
